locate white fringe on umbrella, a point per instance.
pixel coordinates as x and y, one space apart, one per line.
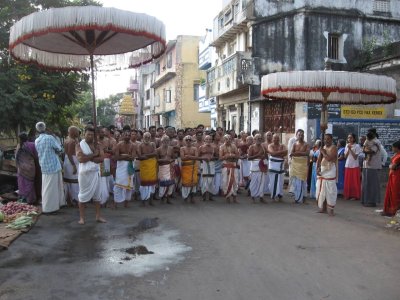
41 37
344 87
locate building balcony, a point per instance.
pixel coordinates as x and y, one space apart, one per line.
207 104
164 77
205 59
231 20
230 75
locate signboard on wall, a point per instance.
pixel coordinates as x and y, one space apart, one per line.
388 130
362 112
314 111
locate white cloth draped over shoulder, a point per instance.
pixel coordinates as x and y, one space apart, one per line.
89 177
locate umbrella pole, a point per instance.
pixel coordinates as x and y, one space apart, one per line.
324 116
93 96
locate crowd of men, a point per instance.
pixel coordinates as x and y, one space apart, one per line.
112 167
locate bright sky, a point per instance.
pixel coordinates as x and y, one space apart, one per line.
180 17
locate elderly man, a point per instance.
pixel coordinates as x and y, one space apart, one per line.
148 169
189 157
276 162
89 156
71 165
125 154
166 172
229 154
267 142
299 166
257 154
48 148
326 181
207 153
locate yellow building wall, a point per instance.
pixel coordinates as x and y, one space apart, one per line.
191 117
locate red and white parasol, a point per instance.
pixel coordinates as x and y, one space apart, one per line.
329 87
71 38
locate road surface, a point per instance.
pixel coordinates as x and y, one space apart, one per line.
207 251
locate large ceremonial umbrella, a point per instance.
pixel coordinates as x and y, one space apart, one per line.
329 87
73 38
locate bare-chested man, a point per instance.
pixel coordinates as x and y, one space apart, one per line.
148 169
276 166
299 166
256 155
189 157
125 154
154 139
326 192
89 156
207 153
229 154
106 179
71 165
267 141
166 173
135 134
244 163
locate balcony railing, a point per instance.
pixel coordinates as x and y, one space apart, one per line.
227 77
226 30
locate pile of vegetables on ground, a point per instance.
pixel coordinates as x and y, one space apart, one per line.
18 215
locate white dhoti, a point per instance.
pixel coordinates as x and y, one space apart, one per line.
244 171
88 177
106 180
207 177
326 189
52 192
166 179
216 187
299 172
146 191
229 179
89 186
266 180
71 186
275 173
124 177
257 179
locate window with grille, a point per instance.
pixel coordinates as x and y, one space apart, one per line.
382 6
148 94
169 60
333 46
167 96
196 89
279 116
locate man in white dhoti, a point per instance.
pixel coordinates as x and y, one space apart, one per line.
71 165
326 191
166 170
243 146
208 157
267 142
89 156
148 169
229 154
48 148
276 168
299 166
256 156
291 142
125 154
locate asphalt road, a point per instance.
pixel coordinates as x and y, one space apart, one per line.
207 251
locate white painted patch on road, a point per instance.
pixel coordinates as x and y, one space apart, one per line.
164 243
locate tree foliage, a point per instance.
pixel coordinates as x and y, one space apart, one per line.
29 94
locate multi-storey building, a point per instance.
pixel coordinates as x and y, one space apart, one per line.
207 57
304 34
253 38
225 81
172 88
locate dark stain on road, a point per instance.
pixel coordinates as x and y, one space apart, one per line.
138 250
